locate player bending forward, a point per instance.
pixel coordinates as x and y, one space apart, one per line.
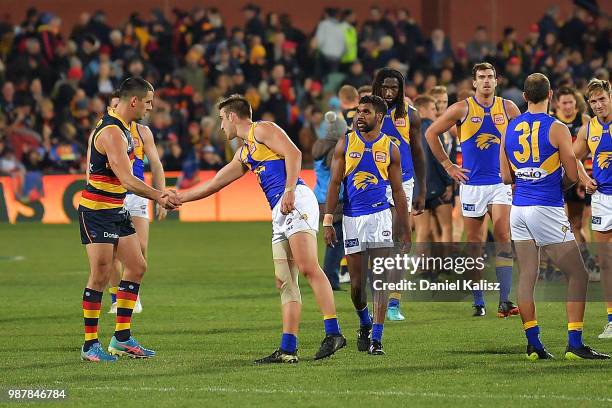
269 153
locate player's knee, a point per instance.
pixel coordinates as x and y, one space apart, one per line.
286 273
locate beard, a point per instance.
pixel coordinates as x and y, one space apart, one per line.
365 127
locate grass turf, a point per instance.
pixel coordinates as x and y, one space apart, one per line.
210 308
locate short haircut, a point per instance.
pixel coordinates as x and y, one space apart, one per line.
134 86
376 101
237 104
536 88
438 90
481 66
596 85
364 89
422 101
348 93
566 90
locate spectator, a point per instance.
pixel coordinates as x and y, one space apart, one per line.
330 41
480 48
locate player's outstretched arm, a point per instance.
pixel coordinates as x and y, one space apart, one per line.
270 134
418 159
455 113
399 196
227 175
560 136
333 191
157 169
112 143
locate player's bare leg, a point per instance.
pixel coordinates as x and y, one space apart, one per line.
303 247
443 214
604 244
500 215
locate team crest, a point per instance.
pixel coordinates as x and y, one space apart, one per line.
252 148
354 155
380 157
499 119
604 159
400 122
486 140
363 179
304 217
564 229
595 139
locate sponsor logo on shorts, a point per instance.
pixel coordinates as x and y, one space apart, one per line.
93 234
564 228
304 217
400 122
499 119
380 157
386 233
476 119
531 173
596 220
349 243
469 207
354 155
143 207
289 221
110 235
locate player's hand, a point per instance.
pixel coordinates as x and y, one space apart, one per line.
405 241
173 199
160 212
288 202
418 205
458 173
330 236
590 185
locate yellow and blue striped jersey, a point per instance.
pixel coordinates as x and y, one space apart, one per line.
267 165
599 140
480 137
535 161
138 166
366 174
398 130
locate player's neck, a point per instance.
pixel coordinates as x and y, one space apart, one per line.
243 128
484 100
541 107
606 119
371 135
567 118
122 112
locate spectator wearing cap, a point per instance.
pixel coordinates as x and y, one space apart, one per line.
49 35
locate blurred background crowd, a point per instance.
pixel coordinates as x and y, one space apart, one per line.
55 87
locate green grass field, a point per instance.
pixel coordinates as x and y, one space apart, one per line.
210 308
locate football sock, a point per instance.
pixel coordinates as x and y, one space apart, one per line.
364 317
394 299
331 325
377 331
113 292
478 297
288 343
574 334
532 332
609 310
92 302
127 294
503 271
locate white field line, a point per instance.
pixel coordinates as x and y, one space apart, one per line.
433 395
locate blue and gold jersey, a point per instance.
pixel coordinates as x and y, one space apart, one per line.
267 165
480 136
366 174
535 161
138 166
398 130
599 140
104 190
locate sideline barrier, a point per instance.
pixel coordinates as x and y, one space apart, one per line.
243 200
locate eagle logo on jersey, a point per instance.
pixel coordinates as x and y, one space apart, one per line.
363 179
604 159
486 140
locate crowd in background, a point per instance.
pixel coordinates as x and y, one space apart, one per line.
54 88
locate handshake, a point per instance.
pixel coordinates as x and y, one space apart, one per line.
169 199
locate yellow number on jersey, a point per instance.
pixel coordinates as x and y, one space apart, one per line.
529 150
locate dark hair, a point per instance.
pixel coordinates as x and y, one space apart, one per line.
237 104
400 106
134 86
423 100
565 90
376 101
596 85
536 88
482 66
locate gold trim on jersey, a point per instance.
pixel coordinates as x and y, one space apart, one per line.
98 205
115 115
259 152
381 153
594 134
475 117
137 140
